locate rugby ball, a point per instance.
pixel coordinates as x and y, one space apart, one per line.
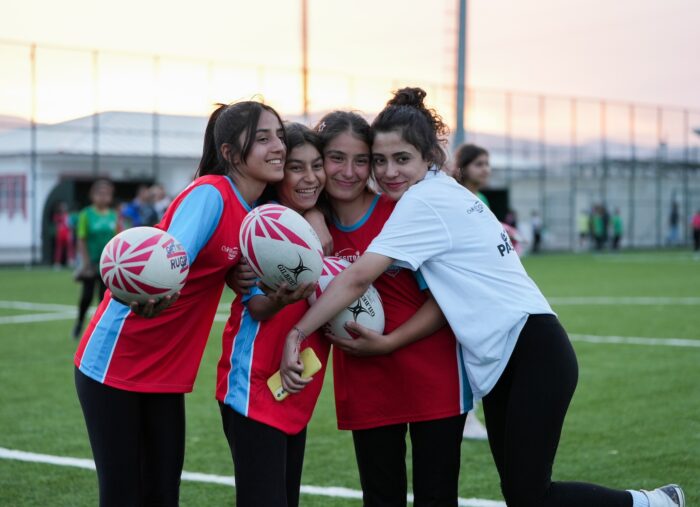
366 311
281 246
143 263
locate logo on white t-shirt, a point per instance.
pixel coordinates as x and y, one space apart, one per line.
506 247
477 207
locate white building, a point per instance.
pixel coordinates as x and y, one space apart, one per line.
129 148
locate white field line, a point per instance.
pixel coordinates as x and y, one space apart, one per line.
636 340
336 492
587 300
25 305
691 301
52 312
223 317
37 317
647 259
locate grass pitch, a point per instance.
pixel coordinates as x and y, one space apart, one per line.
634 421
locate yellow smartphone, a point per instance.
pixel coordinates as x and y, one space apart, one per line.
311 365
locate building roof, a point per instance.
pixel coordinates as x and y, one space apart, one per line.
120 133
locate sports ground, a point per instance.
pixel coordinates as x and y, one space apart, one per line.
634 319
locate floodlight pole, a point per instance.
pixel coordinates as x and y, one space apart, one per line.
461 73
305 59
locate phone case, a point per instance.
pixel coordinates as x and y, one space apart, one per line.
311 365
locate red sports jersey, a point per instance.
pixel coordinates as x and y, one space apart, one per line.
422 381
162 354
252 352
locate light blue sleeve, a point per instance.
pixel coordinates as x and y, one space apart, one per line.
254 291
420 280
196 219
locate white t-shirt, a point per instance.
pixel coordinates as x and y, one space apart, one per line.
470 267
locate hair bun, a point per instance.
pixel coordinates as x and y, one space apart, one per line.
408 97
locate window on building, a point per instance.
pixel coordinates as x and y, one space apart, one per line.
13 199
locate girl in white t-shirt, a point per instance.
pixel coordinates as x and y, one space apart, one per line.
519 358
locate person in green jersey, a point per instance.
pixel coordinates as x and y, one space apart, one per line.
617 228
97 224
473 169
598 227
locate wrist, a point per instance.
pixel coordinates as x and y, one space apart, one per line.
298 334
392 342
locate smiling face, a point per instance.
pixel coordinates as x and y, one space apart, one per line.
397 164
265 161
346 160
303 178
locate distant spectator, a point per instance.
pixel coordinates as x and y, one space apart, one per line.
140 211
510 225
63 236
472 169
598 227
605 214
695 225
537 226
674 221
159 199
97 224
617 229
583 225
511 219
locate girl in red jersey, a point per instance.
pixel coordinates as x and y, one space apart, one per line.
519 358
381 398
267 437
132 371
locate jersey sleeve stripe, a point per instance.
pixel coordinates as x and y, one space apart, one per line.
254 291
196 219
238 395
100 347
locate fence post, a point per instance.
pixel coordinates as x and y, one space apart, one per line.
686 169
509 138
604 154
543 162
155 121
33 184
574 178
633 174
657 170
96 114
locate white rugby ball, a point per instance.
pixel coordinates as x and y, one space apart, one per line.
366 311
281 246
143 263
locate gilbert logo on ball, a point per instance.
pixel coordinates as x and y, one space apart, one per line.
280 246
143 263
367 310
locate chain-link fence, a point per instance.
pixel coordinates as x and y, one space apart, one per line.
68 115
